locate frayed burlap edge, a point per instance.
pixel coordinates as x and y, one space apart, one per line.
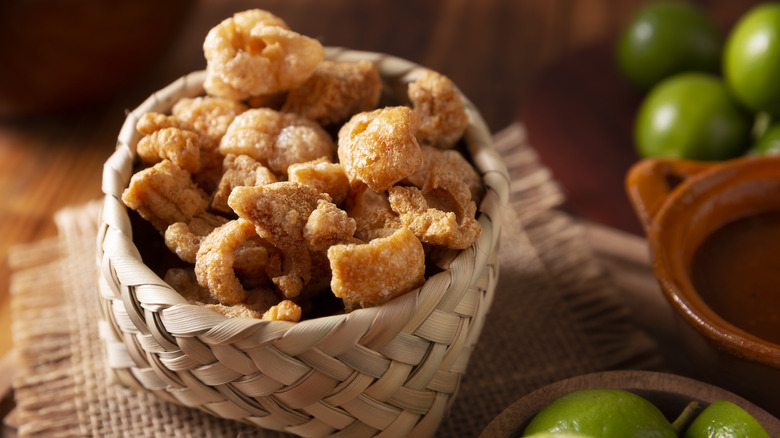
43 335
560 244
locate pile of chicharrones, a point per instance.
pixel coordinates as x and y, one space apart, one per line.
249 187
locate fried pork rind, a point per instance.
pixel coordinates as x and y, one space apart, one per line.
214 262
153 121
276 139
336 91
261 309
208 114
446 178
323 175
371 274
395 205
430 224
279 210
286 310
167 137
443 117
184 238
254 52
378 148
327 225
281 213
260 303
239 170
372 213
164 194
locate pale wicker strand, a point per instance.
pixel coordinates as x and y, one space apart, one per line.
393 368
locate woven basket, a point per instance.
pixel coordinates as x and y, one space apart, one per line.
394 368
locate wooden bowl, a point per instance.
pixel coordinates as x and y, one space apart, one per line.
669 392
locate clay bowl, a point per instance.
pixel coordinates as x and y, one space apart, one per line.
669 392
681 203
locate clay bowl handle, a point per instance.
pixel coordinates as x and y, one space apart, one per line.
650 181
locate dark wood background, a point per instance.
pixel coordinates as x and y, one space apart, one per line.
71 69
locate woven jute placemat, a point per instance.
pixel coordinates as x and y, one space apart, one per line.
555 314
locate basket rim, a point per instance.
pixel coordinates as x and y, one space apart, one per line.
118 170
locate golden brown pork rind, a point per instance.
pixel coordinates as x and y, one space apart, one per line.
378 148
276 139
257 145
208 114
260 303
164 194
215 259
239 170
184 238
286 310
167 137
443 117
432 225
444 169
323 175
254 53
371 274
327 225
336 91
152 121
372 213
281 212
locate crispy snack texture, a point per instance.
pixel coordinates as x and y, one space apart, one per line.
184 238
443 117
447 169
164 194
293 176
336 91
371 274
239 170
295 218
276 139
430 224
374 218
215 258
210 115
378 148
260 303
324 176
168 137
254 53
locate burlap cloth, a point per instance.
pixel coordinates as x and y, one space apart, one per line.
556 314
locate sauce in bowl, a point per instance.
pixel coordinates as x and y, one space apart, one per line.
736 271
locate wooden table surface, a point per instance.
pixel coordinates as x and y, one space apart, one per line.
546 63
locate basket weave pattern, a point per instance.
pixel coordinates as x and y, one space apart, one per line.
392 369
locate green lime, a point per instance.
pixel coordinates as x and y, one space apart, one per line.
559 435
691 116
603 413
768 143
751 59
667 37
723 419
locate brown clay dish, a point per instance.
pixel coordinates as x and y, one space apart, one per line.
681 204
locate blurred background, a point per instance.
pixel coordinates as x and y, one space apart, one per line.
70 69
